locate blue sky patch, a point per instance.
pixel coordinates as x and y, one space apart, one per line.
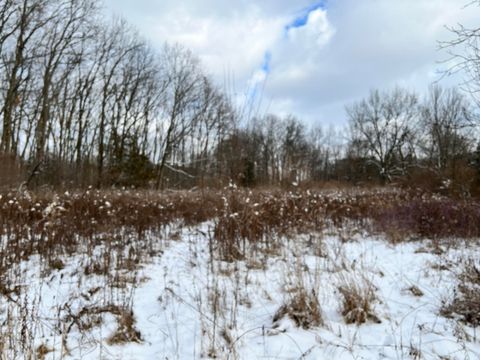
302 18
267 58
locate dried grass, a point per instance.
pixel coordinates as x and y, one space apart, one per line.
303 308
118 231
466 302
357 303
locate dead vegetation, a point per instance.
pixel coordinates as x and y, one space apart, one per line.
415 291
246 221
358 299
116 232
92 316
11 171
466 300
126 331
303 307
42 351
301 303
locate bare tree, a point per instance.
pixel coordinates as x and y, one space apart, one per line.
63 33
19 20
383 123
117 43
183 79
446 118
464 51
84 95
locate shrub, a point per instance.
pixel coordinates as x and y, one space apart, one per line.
11 171
432 218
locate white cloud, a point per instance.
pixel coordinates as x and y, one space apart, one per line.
228 37
316 31
337 56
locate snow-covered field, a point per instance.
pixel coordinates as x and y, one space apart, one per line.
183 303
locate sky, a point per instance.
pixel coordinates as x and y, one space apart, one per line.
302 57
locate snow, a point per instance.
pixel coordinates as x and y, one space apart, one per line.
187 306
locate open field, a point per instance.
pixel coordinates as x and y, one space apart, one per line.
239 274
239 180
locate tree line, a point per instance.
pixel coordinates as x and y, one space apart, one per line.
87 101
392 136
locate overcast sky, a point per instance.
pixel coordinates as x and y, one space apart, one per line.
307 58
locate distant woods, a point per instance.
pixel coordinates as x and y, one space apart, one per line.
85 101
